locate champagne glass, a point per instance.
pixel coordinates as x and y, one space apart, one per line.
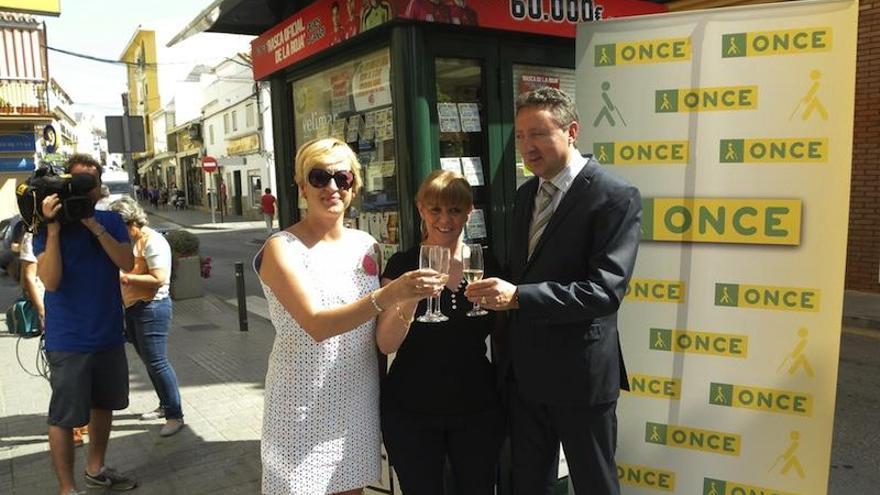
473 271
425 259
442 266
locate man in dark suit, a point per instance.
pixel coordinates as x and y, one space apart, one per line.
573 247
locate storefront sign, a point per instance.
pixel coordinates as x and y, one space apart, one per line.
243 145
325 23
17 164
51 7
15 143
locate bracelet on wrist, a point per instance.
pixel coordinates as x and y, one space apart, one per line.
376 306
99 234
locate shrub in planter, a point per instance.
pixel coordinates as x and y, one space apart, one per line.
186 269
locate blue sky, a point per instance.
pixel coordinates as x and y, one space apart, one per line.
102 28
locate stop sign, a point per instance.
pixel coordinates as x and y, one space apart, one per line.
209 164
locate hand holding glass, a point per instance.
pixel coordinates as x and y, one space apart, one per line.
473 271
434 258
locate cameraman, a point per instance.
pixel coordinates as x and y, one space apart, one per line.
79 264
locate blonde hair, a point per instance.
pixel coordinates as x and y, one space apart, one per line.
445 188
325 151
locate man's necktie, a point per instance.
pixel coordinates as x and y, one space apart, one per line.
543 213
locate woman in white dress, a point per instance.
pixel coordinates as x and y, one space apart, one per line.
321 415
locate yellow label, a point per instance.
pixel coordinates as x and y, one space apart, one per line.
642 289
761 399
644 52
717 442
780 42
715 344
767 297
726 220
642 152
646 477
21 189
664 387
706 99
778 150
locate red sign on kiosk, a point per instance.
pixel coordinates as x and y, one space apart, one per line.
325 23
209 164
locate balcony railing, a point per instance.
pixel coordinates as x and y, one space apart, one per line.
23 98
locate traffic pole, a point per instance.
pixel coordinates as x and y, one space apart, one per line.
242 301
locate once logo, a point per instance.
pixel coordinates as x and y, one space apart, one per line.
641 289
767 297
761 399
716 344
723 487
786 150
706 99
642 52
642 152
646 477
717 442
785 42
664 387
728 220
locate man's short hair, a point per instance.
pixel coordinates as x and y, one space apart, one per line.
556 101
85 160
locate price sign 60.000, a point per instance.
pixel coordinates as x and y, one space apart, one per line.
573 11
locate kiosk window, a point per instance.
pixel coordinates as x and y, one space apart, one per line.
352 101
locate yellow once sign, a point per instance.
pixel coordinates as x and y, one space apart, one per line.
642 289
664 387
52 7
761 399
733 221
646 477
653 51
788 41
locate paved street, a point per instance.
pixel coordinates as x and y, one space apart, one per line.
221 372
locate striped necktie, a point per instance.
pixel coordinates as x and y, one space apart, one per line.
543 212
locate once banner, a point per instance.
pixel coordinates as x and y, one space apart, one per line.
736 125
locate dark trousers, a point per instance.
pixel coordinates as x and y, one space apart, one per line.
588 436
418 445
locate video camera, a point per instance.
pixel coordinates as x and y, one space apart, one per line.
72 190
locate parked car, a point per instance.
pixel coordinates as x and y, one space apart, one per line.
11 231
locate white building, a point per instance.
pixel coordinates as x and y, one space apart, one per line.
234 113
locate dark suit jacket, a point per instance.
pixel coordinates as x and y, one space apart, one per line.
562 342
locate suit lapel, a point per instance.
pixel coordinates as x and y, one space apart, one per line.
521 222
577 190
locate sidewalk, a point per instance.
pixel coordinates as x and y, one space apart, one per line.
221 372
861 309
194 219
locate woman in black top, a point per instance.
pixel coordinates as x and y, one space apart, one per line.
439 399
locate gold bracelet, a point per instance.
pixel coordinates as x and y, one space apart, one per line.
400 317
375 303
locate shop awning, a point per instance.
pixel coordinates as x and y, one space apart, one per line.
253 17
154 161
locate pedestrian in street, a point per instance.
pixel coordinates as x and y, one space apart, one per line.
79 264
321 415
148 311
267 206
440 399
574 242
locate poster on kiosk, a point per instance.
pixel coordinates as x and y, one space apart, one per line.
736 125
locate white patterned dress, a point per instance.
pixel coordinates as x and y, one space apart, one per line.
321 414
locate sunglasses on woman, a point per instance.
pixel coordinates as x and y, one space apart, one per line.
319 178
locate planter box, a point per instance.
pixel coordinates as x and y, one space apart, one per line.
187 278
